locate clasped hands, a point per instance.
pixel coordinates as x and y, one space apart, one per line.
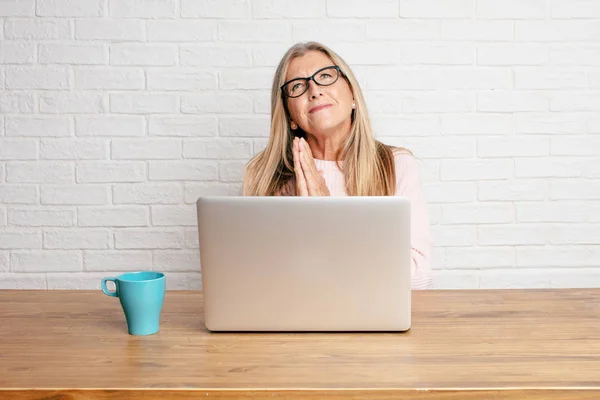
309 180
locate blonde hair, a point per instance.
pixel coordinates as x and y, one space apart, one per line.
368 164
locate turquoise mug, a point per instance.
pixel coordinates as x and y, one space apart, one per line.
141 295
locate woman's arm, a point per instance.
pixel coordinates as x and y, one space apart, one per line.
408 184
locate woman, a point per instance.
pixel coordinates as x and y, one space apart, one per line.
321 144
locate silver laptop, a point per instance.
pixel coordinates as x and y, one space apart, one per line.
305 263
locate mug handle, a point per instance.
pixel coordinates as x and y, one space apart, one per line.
105 289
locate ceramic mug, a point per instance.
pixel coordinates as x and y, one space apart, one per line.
141 295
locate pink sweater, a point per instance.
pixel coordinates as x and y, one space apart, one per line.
408 185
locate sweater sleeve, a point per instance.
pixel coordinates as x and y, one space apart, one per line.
408 185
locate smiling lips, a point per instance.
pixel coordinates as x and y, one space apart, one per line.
319 107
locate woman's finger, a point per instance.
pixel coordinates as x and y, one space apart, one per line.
301 185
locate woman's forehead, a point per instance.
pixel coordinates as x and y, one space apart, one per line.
307 64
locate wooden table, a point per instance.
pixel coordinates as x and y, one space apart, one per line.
468 344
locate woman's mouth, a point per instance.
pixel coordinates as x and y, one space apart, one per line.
318 108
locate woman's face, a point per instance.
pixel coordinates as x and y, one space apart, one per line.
321 110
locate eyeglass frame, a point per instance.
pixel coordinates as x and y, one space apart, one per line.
312 78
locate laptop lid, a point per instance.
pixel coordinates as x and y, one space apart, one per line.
305 263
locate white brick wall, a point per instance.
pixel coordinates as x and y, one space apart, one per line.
115 115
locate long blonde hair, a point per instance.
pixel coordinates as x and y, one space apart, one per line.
368 163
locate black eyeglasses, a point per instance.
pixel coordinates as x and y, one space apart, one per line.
324 77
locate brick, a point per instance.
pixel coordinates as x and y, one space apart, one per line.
217 149
184 281
516 190
191 239
183 170
477 124
575 56
110 171
195 190
37 29
77 239
183 260
181 80
436 147
25 217
511 54
513 146
479 257
38 78
490 169
109 29
183 126
17 8
46 261
575 9
393 78
74 194
231 171
254 31
450 192
116 260
575 101
452 279
3 223
358 9
507 279
548 167
113 216
110 79
145 149
437 55
259 145
594 79
142 193
557 31
592 168
575 146
117 126
563 211
23 281
437 102
215 56
549 123
181 31
575 189
4 261
484 213
16 52
143 54
567 234
18 149
39 172
143 103
77 280
20 239
511 235
234 9
81 54
538 78
413 126
244 126
217 103
17 102
70 102
233 79
512 101
174 215
512 9
365 53
350 30
142 9
454 236
558 256
18 194
437 8
70 8
477 30
135 238
268 9
400 30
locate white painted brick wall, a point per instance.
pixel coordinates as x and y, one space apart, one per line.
116 115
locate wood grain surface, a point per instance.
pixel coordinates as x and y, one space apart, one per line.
464 344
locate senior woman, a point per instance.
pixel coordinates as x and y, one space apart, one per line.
321 144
